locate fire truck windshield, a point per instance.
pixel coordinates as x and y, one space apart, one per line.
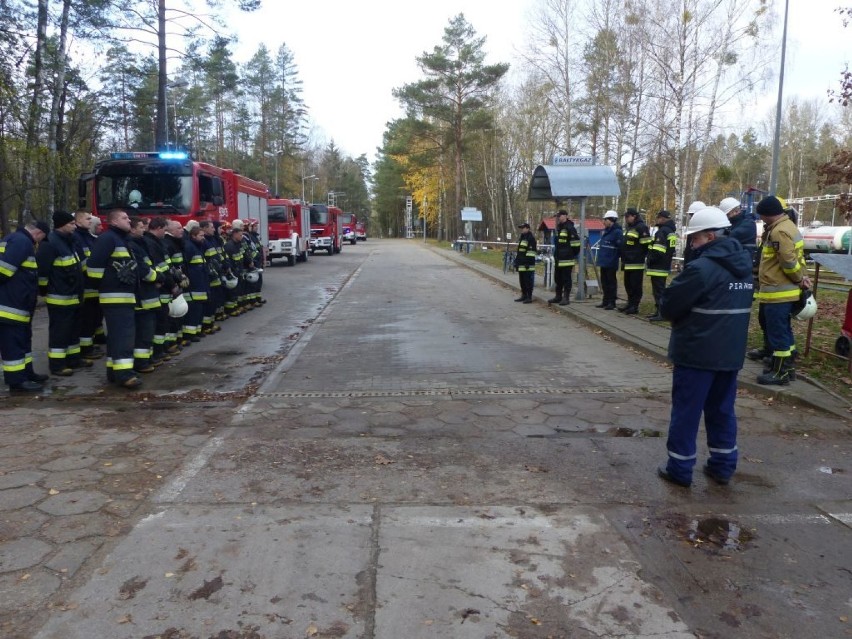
277 214
148 190
319 214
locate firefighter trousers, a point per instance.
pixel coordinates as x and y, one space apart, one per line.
91 319
562 276
658 285
143 340
120 322
63 337
16 352
633 280
711 393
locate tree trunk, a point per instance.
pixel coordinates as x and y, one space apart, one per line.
33 114
53 131
161 137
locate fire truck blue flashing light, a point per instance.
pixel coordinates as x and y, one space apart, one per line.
141 155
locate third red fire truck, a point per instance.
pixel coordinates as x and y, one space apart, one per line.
289 230
326 231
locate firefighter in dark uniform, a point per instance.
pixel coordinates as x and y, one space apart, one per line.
199 280
147 298
525 263
567 247
18 294
660 255
173 240
213 265
114 268
156 248
60 280
235 265
216 240
634 249
91 317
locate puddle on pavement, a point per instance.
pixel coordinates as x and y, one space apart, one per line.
724 533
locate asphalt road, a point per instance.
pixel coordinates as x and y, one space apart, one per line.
393 448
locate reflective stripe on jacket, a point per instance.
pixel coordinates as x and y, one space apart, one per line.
18 278
662 250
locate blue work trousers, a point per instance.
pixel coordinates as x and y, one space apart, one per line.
120 322
712 393
779 328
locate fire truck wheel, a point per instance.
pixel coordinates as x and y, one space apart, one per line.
331 250
291 260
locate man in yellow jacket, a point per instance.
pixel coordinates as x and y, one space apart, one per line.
782 275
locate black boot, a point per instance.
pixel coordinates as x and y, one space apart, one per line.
779 375
758 354
554 300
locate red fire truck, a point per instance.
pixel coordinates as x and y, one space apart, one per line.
289 230
360 231
326 233
172 185
348 222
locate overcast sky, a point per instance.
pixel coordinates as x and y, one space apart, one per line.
350 55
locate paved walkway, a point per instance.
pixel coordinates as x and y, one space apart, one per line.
653 339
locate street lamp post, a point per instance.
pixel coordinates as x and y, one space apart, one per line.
275 155
307 177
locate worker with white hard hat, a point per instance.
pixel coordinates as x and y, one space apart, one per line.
709 305
743 227
609 249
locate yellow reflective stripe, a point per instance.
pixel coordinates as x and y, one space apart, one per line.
120 251
658 247
66 260
62 300
96 273
634 267
657 273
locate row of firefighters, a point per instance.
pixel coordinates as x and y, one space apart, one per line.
634 248
156 286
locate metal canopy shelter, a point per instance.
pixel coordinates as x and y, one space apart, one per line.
574 182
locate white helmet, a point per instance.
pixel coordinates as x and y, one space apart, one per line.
806 307
729 204
695 207
134 197
707 219
252 277
178 306
230 281
610 215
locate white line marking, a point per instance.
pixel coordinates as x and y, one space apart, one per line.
175 487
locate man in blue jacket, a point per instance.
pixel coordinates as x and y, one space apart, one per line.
18 294
609 250
709 305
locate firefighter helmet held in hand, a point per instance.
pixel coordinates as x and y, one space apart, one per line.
708 219
252 277
230 281
806 307
178 306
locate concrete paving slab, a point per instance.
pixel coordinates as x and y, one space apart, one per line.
207 571
511 572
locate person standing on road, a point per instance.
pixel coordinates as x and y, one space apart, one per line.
147 297
609 250
525 263
173 240
782 275
693 208
567 247
91 317
113 267
199 281
709 305
156 249
235 266
60 280
660 256
634 250
743 227
18 295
